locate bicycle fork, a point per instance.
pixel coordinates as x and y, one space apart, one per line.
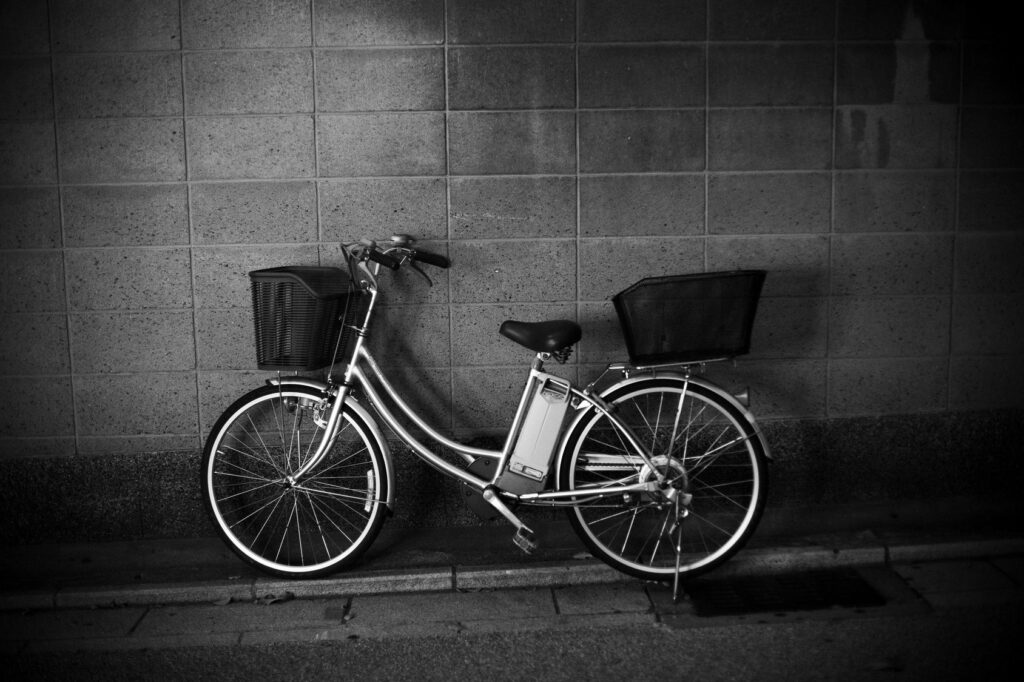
330 425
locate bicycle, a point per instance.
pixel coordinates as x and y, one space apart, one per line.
662 473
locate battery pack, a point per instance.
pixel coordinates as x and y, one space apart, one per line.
538 437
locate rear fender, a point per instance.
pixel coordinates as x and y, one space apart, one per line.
720 392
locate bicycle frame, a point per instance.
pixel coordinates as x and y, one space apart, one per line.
469 453
362 367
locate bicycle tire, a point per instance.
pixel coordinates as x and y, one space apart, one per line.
310 529
703 443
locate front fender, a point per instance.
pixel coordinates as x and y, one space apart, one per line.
299 381
367 417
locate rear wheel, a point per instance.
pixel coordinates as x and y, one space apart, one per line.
303 528
713 462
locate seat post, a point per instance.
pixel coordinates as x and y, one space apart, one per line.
538 362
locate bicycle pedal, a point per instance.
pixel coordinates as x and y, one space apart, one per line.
526 540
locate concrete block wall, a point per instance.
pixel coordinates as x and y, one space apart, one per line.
866 152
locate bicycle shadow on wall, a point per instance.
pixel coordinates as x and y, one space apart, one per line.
427 390
784 379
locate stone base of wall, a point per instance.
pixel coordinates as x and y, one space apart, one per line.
869 461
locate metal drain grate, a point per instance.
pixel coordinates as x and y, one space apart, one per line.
804 591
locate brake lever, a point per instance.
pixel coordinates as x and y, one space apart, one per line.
415 266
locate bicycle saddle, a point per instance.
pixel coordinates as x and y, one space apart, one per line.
542 337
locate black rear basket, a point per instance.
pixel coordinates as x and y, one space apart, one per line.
299 312
689 318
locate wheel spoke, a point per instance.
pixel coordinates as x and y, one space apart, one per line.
336 495
255 431
319 526
709 458
706 522
718 494
275 502
243 472
657 541
675 425
247 491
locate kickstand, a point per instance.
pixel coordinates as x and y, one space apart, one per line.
679 552
675 579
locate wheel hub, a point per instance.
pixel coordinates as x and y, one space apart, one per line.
676 482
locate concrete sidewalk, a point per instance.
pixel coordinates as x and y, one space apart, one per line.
205 571
557 600
174 594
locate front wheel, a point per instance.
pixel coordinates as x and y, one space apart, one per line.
285 527
713 462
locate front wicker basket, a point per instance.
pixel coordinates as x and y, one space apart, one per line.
298 314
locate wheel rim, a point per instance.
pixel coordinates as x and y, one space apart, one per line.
702 516
281 525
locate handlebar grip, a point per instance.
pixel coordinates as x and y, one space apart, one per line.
435 259
383 258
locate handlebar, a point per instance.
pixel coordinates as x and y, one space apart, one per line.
394 254
378 256
435 259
